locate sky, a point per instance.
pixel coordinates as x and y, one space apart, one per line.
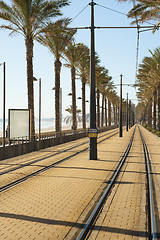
116 49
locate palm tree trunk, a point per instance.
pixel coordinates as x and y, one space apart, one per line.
109 113
150 113
102 117
29 57
73 74
98 109
83 103
57 66
106 112
158 92
154 109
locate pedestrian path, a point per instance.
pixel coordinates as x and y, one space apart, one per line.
124 214
55 203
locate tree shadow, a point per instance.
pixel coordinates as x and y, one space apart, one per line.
74 224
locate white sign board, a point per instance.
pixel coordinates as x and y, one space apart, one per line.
19 123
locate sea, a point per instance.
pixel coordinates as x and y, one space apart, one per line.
46 123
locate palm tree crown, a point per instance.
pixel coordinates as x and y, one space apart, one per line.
56 37
145 10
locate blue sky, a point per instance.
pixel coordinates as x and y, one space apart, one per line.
116 50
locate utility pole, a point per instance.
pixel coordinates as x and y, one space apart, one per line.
39 109
4 100
120 108
92 132
127 115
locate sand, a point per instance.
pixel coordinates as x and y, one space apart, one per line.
51 129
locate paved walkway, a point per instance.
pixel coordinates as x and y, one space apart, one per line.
124 215
52 205
153 144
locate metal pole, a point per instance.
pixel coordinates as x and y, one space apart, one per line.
127 115
60 109
120 108
133 118
39 109
4 100
93 140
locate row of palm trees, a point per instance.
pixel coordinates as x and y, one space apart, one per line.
34 20
148 83
31 19
148 77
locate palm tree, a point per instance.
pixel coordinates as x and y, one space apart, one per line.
100 75
28 18
73 55
83 72
145 10
56 38
148 79
108 95
102 80
140 112
69 119
115 100
145 87
156 75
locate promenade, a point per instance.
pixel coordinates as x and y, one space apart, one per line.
56 203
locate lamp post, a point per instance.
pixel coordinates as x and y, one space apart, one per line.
39 109
129 114
93 129
39 132
120 108
4 99
83 112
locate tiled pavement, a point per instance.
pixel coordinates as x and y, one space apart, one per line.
124 214
49 204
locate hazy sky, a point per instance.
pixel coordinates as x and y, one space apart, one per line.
116 49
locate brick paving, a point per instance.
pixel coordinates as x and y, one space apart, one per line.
153 144
48 205
124 214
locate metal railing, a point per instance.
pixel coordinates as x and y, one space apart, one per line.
22 145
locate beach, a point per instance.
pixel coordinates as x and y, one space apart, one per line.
47 126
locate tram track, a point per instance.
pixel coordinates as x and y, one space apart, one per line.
153 224
47 167
90 222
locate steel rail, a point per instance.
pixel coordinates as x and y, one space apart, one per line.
100 204
154 227
52 155
16 182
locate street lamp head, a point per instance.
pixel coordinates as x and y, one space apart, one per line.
79 98
54 88
87 101
69 94
34 79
